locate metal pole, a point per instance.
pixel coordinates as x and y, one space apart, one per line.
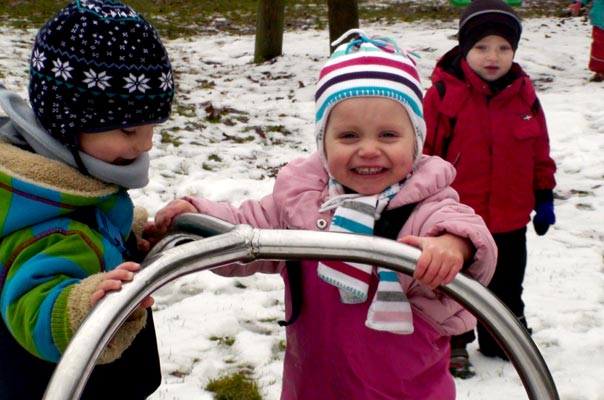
242 243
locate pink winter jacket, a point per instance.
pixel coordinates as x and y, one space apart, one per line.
330 353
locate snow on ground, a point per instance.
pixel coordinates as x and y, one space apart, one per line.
235 123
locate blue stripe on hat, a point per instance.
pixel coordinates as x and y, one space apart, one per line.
369 91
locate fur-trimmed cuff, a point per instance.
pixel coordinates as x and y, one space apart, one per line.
78 304
141 215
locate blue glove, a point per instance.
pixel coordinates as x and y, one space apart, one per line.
544 211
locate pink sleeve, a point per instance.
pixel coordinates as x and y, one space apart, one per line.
447 215
261 214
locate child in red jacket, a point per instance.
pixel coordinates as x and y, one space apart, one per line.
483 116
596 54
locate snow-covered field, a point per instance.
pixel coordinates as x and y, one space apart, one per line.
236 123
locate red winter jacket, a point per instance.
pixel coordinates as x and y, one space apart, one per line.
498 144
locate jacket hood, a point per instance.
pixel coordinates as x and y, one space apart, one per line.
302 177
432 175
34 189
458 76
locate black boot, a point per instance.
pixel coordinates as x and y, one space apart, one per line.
460 365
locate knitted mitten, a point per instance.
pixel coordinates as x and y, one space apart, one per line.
78 304
544 211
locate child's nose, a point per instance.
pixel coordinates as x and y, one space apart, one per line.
145 139
369 149
492 54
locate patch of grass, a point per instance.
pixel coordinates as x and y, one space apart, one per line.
238 139
278 349
181 18
206 84
186 110
237 386
279 128
216 158
227 340
168 138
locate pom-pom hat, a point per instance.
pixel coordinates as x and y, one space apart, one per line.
98 65
369 67
488 17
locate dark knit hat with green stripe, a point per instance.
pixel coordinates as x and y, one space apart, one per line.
488 17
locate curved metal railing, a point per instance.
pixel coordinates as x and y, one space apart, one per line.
184 253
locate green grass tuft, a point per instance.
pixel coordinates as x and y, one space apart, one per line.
237 386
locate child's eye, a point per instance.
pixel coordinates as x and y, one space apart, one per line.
348 135
129 131
388 134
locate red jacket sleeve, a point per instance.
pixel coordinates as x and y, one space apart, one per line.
545 166
438 129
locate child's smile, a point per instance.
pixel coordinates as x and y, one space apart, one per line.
368 171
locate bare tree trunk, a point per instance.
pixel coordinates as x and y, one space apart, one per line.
269 30
343 15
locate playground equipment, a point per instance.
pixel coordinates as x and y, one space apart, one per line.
205 243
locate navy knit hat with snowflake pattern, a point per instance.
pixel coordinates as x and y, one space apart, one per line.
98 65
369 67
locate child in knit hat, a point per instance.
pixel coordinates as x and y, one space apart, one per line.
356 332
100 80
483 116
596 16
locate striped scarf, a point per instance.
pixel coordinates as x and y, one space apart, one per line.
390 310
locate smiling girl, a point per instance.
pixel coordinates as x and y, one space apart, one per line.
363 332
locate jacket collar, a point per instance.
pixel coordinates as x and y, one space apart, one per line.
38 189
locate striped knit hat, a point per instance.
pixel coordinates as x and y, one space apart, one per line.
369 67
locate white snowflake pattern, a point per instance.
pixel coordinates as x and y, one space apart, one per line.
38 59
137 83
100 80
166 81
62 69
92 7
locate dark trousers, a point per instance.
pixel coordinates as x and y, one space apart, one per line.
506 285
133 376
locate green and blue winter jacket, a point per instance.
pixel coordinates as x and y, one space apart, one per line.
59 232
47 256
